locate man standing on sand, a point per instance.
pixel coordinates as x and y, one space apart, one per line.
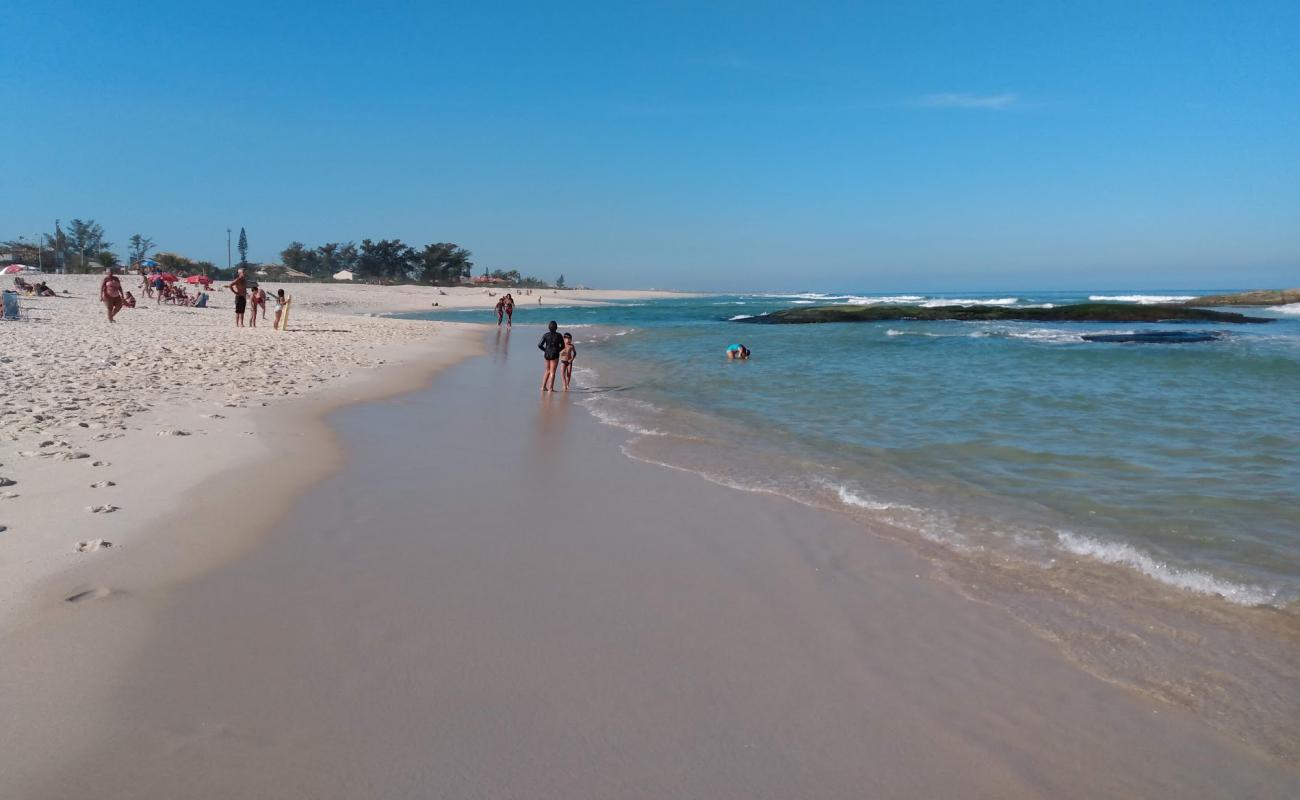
550 345
240 287
110 293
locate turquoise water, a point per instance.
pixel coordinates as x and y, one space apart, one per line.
1177 461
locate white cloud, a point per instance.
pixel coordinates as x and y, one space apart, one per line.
994 102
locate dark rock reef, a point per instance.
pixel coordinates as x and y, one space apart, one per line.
1154 337
1261 297
1081 312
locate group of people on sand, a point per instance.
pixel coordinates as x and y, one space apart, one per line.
559 354
115 299
250 293
38 289
157 287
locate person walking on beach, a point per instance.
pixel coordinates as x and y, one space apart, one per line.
110 293
510 309
550 345
240 287
567 356
501 309
158 286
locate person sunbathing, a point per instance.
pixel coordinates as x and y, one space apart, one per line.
129 300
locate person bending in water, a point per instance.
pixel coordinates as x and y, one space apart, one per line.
737 352
568 355
550 345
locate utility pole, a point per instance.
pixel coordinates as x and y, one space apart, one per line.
227 250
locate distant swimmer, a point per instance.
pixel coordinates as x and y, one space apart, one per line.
737 351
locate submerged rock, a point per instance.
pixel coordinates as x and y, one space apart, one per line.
1154 337
1079 312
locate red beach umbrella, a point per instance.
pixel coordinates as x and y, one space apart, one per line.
167 276
198 279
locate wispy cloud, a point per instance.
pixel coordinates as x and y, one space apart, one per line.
989 102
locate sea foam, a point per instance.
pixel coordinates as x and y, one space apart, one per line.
1126 555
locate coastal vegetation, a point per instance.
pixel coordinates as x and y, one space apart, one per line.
82 248
1080 312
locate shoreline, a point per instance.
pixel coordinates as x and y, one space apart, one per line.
457 641
168 399
1232 663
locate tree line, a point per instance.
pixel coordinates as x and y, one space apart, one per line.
82 248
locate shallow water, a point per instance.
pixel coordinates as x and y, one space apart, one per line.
1177 461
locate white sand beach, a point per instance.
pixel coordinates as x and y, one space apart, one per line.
107 429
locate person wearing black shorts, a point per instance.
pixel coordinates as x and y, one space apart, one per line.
550 345
240 287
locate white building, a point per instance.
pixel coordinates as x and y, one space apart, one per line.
344 275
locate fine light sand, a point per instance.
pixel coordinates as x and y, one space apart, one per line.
489 600
106 430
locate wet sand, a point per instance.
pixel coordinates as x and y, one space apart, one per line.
490 600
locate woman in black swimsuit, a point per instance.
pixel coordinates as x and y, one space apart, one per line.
550 345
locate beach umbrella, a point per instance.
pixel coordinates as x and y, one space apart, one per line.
13 269
149 262
167 276
198 279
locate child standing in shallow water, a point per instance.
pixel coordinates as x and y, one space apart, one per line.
567 356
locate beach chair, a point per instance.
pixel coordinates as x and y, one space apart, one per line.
10 308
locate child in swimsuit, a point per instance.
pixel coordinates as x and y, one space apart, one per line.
567 356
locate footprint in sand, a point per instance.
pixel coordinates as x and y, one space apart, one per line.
101 464
96 593
93 545
7 481
107 508
102 484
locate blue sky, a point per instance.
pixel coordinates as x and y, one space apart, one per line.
745 145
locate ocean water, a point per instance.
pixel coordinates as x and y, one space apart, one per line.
1180 463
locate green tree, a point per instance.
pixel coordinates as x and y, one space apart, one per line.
85 240
139 247
174 263
108 258
445 263
243 248
386 259
559 282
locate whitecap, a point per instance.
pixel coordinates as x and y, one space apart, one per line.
1126 555
999 301
1289 308
1141 299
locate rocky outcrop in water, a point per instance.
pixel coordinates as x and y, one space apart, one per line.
1081 312
1154 337
1261 297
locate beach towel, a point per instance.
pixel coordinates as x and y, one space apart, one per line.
10 305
